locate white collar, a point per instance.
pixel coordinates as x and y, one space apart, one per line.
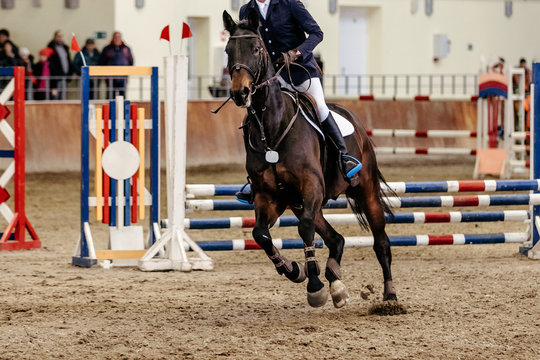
261 4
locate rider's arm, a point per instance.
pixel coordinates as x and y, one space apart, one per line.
309 25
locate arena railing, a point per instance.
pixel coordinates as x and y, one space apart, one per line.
207 87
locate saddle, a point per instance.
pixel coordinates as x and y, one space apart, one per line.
308 108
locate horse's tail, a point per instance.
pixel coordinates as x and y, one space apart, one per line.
356 197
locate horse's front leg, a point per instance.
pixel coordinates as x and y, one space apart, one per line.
266 214
335 243
312 199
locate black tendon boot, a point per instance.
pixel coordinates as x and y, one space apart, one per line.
349 165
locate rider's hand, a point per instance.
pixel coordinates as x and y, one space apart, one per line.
290 56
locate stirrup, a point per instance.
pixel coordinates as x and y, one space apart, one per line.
355 169
244 196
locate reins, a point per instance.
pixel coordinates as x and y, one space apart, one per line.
271 155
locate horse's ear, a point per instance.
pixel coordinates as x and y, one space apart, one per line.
228 22
253 19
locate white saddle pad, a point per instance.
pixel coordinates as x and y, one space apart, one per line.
344 125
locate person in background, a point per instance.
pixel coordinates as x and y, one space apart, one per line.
60 63
42 71
8 57
91 56
116 53
528 77
28 61
4 39
497 65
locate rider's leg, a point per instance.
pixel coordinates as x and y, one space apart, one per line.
349 165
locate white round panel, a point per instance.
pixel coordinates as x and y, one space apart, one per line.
120 160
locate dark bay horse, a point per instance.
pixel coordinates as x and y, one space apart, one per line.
301 179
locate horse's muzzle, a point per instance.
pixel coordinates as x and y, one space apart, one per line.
242 98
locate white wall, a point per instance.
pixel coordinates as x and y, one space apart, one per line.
407 40
34 27
398 41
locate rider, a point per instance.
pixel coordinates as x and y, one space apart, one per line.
283 28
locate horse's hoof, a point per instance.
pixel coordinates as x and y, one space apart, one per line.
389 293
318 298
339 293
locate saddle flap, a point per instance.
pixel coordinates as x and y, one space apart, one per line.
309 110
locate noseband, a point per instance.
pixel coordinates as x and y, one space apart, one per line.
254 74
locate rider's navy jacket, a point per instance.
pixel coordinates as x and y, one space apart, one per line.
285 28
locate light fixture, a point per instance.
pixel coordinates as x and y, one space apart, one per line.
508 8
235 4
139 4
414 6
429 7
332 6
8 4
36 3
71 4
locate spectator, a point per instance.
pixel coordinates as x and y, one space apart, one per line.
4 38
91 56
42 70
60 63
28 61
497 65
528 79
8 56
116 53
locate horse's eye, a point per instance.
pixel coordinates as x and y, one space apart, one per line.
256 51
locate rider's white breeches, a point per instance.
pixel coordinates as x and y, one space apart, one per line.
314 90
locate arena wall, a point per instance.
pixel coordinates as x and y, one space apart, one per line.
399 41
53 130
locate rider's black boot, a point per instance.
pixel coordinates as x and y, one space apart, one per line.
349 165
245 195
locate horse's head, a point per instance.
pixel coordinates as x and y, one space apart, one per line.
246 56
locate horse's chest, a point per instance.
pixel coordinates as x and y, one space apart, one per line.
272 178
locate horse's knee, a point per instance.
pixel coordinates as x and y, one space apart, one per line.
306 226
262 236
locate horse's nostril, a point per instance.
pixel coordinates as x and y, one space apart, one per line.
246 91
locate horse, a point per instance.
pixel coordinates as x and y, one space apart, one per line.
289 165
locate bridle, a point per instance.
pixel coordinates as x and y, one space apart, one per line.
255 75
256 84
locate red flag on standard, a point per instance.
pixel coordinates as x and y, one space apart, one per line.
186 31
165 34
74 45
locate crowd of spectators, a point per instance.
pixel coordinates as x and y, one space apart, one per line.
48 75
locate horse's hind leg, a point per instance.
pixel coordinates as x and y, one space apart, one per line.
368 198
266 213
335 242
